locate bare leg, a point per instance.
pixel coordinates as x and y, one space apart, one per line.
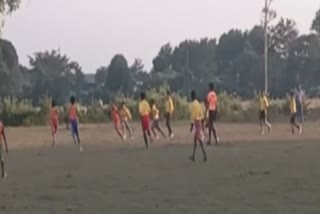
160 130
128 127
145 139
203 151
192 157
3 172
168 123
153 130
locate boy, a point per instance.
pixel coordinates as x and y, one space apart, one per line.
155 120
144 110
126 117
73 119
293 112
115 116
54 118
169 112
264 105
197 117
212 108
3 139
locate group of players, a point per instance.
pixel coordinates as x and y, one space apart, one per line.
150 120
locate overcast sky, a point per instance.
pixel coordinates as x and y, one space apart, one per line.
91 32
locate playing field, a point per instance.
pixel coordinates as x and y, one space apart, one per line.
249 173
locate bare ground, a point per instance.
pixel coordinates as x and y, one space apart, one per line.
249 173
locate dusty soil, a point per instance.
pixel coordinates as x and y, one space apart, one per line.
248 173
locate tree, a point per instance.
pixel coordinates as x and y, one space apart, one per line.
10 77
316 23
281 35
163 60
54 75
8 6
118 76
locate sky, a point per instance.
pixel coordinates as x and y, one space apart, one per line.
92 32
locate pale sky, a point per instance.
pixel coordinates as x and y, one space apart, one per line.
91 32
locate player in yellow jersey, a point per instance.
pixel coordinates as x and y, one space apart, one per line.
144 110
155 120
126 117
169 112
197 116
263 105
3 140
293 113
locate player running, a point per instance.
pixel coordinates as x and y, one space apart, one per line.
3 140
169 112
73 119
197 118
293 111
212 108
144 110
155 120
264 105
54 119
116 119
126 117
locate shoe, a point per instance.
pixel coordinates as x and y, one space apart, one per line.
192 159
172 135
5 175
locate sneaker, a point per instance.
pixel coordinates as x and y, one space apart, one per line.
5 175
172 135
217 141
192 159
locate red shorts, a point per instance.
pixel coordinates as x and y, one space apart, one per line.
54 126
198 134
145 123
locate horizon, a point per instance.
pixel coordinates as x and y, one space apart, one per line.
139 31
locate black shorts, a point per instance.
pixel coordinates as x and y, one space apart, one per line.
293 118
263 115
212 116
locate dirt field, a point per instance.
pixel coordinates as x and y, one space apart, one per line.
249 173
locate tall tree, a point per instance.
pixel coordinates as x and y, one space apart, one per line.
118 74
54 75
316 23
10 77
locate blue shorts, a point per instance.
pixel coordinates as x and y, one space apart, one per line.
74 127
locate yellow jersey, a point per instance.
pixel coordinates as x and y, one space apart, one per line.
144 108
125 113
169 105
293 106
264 103
196 111
155 112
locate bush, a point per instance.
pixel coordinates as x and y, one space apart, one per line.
231 108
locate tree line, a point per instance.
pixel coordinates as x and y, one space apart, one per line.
234 62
